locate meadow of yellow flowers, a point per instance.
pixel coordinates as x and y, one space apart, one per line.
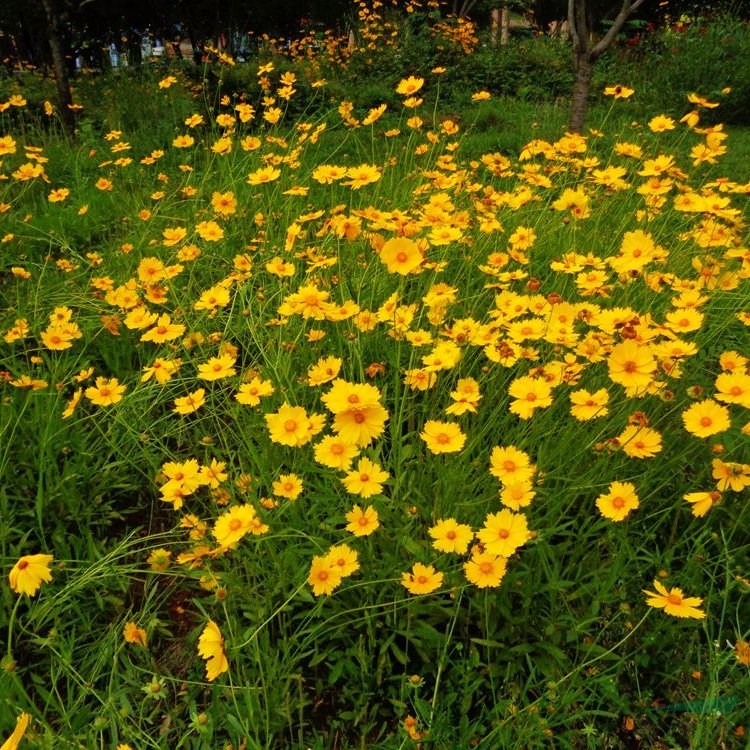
318 383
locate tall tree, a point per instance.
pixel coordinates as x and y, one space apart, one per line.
64 97
587 50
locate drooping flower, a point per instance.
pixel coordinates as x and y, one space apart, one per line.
702 502
211 648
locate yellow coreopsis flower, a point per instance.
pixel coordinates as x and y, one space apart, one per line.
674 602
211 648
28 574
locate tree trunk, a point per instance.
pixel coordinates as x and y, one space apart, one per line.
584 69
504 25
64 97
494 25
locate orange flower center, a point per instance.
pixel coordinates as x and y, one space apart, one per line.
503 533
451 535
485 567
509 466
359 417
442 438
618 502
422 579
23 565
674 599
235 524
402 257
630 367
290 425
706 421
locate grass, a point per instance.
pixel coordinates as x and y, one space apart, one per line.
563 650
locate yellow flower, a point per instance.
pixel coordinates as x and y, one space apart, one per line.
485 570
366 480
231 526
362 521
288 486
451 536
674 602
291 425
28 574
409 86
335 452
344 559
324 575
618 502
631 364
209 231
511 465
640 442
190 403
105 392
183 141
504 532
702 502
251 393
217 368
618 91
529 394
211 648
159 559
443 437
481 96
587 405
401 255
706 418
422 579
263 175
135 635
22 722
661 123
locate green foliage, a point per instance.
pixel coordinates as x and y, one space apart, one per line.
565 652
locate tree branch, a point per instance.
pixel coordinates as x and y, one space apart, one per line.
628 8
